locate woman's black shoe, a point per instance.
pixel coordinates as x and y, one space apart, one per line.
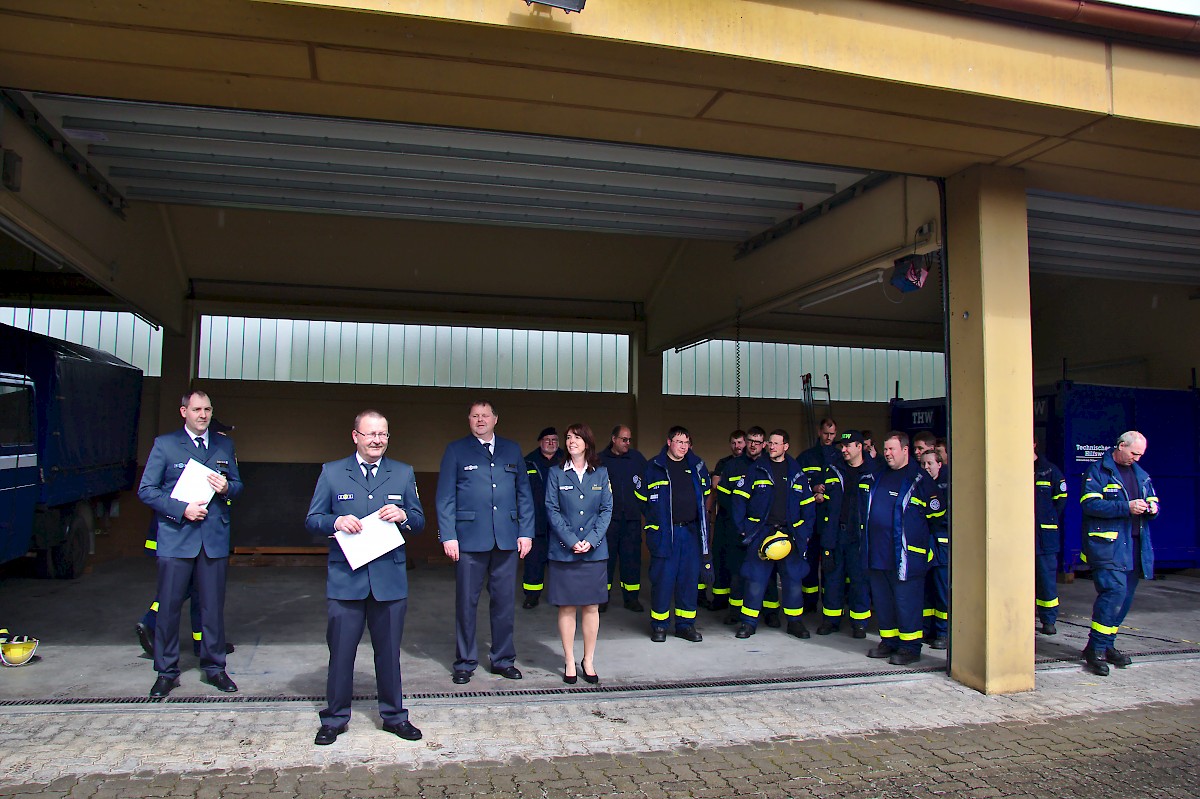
591 678
570 679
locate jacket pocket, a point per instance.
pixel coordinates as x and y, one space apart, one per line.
465 515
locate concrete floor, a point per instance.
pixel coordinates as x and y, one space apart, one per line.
276 617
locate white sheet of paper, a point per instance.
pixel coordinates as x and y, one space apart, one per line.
377 538
192 485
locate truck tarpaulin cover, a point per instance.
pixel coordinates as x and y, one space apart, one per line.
87 407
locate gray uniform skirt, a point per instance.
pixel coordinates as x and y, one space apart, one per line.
577 582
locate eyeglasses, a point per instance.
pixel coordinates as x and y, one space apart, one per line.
624 438
380 436
758 441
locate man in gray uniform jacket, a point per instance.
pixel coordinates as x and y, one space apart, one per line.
485 523
376 593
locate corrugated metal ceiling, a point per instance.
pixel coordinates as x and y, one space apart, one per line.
177 154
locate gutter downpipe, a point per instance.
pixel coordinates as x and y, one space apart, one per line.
1156 24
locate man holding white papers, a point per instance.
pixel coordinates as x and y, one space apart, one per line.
361 496
193 539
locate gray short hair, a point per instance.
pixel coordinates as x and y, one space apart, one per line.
1129 438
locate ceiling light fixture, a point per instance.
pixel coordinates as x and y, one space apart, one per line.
841 289
565 5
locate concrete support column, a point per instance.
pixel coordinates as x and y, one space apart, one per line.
647 380
991 438
178 369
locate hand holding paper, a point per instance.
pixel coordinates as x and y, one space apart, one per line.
192 486
376 538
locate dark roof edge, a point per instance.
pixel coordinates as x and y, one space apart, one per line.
1092 16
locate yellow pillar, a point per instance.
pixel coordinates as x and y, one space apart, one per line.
991 402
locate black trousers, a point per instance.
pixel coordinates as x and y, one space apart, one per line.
347 617
499 569
175 579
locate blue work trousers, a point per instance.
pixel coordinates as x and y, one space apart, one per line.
1046 588
898 606
625 554
1114 595
846 584
674 574
533 578
758 575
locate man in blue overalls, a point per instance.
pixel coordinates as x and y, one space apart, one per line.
1118 503
674 488
1049 504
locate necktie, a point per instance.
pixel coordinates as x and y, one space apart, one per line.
369 470
200 444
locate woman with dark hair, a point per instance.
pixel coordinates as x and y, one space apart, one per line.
579 506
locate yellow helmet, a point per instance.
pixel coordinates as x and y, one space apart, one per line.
776 546
16 650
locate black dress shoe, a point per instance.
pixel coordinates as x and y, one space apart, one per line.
145 638
797 629
744 631
772 619
163 686
530 602
403 729
461 677
658 636
507 672
904 657
827 629
1095 662
1117 657
1049 629
858 632
589 678
221 682
689 633
327 735
882 651
634 605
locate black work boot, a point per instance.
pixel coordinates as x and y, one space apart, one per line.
1095 662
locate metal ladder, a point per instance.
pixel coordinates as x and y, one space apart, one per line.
813 395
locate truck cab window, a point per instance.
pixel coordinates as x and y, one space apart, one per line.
16 415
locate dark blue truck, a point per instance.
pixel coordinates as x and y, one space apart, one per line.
68 443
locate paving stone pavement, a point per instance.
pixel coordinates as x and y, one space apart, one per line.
1136 733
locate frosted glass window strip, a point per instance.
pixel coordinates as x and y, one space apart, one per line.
424 355
519 347
489 358
119 333
775 371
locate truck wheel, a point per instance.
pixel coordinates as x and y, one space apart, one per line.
66 560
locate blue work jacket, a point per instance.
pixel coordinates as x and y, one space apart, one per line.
1107 522
910 524
578 510
736 483
829 512
800 515
656 495
625 474
1049 504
